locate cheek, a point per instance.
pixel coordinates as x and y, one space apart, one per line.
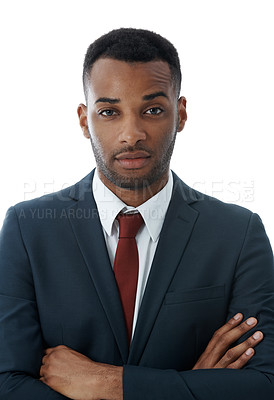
102 144
163 131
103 136
162 138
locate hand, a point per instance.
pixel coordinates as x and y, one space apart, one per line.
218 353
76 376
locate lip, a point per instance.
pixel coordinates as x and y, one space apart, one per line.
132 160
133 155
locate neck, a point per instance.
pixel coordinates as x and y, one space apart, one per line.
136 197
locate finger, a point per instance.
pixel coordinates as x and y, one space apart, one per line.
42 371
233 354
235 322
231 323
52 349
44 380
227 327
242 360
234 334
44 359
49 350
223 340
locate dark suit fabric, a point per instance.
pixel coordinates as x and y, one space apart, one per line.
57 287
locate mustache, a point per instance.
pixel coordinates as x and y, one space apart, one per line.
132 149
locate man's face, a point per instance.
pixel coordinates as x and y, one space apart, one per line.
132 118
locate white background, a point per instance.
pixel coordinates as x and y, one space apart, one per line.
226 51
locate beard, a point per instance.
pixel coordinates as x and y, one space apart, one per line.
135 182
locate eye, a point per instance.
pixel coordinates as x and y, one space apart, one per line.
108 113
154 111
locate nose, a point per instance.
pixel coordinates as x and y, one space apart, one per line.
132 130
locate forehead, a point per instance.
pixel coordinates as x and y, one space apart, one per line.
114 78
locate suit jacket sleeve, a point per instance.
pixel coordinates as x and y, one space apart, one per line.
21 344
253 294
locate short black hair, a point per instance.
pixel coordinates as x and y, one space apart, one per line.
133 45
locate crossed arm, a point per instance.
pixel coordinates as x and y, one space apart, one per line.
78 377
75 376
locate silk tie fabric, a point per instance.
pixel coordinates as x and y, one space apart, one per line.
126 264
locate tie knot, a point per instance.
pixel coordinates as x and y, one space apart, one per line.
129 224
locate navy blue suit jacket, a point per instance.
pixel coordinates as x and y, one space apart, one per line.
57 287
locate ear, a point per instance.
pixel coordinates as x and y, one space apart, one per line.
82 114
182 115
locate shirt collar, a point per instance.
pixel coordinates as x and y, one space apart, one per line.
153 210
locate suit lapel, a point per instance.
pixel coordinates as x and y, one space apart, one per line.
85 223
176 232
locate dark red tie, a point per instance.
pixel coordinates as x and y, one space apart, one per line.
126 264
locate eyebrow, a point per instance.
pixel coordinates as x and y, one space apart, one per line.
107 100
147 97
152 96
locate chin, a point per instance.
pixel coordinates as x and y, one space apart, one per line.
136 180
132 183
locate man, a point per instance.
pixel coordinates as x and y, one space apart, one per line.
69 325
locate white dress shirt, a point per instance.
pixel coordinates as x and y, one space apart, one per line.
153 212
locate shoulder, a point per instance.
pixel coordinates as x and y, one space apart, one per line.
208 207
216 220
56 201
